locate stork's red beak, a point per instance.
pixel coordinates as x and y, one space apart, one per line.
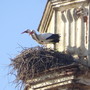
24 32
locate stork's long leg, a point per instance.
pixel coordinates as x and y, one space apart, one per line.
54 46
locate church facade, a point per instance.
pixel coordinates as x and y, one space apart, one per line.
71 20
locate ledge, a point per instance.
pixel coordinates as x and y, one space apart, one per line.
67 76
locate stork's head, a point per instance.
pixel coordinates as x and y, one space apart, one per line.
28 31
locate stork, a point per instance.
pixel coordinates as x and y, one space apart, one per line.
45 38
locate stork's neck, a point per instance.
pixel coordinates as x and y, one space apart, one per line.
34 35
31 33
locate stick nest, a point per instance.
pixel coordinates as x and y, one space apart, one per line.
33 61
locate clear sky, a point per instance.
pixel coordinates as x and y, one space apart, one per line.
15 17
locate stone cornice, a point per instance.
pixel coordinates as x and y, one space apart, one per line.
46 16
53 5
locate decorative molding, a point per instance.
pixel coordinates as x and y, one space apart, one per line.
53 5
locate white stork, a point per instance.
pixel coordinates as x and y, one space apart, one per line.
45 38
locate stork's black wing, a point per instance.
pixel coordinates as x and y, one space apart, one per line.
54 38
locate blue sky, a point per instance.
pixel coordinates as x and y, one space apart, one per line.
15 17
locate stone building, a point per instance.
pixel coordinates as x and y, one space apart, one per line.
70 19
